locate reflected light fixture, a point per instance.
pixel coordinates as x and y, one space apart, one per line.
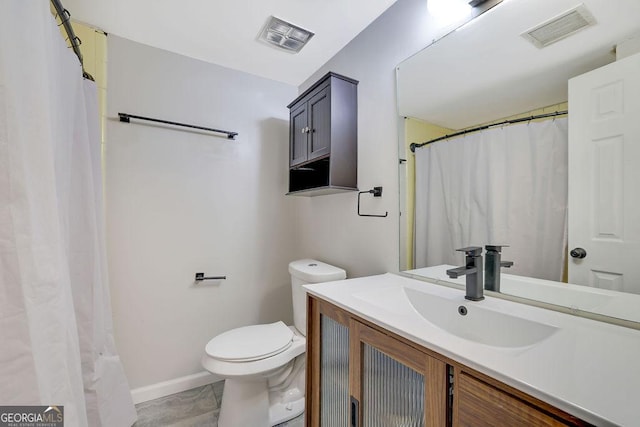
449 11
285 35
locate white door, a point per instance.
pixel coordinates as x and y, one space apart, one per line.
604 177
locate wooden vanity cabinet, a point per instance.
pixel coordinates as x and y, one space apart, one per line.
323 137
360 375
482 401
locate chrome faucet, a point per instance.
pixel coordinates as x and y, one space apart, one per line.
473 270
492 267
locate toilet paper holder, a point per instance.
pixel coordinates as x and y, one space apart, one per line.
200 277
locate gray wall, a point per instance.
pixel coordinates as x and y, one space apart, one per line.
331 230
180 202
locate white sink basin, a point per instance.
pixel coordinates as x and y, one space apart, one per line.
478 324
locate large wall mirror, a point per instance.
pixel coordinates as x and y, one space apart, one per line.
559 183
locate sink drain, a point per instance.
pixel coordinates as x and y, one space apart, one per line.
462 310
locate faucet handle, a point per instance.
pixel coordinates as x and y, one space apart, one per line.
497 248
472 251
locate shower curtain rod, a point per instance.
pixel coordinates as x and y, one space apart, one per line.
413 146
65 18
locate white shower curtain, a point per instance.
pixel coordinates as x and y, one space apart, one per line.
55 319
505 185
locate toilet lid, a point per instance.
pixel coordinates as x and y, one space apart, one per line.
250 342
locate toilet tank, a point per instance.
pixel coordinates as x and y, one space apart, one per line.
303 272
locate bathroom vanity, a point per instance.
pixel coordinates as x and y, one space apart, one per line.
391 350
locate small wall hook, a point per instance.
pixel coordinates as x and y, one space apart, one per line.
377 192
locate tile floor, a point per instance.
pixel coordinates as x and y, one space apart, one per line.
198 407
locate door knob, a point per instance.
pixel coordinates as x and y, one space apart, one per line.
578 253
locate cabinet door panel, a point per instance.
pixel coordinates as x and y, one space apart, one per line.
328 340
298 135
392 393
320 124
482 405
396 385
334 373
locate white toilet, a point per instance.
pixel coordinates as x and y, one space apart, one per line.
264 365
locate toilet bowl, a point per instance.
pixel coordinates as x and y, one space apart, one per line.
264 365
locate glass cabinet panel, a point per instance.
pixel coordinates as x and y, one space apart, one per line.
334 374
392 393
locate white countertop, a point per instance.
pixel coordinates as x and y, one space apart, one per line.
589 369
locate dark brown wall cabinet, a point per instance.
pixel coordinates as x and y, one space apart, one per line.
323 138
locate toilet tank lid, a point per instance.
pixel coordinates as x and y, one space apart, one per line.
313 271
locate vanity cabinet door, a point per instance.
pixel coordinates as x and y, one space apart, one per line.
394 384
327 387
480 404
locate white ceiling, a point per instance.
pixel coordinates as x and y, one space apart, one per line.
225 32
487 71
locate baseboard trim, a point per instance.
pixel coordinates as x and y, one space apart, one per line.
165 388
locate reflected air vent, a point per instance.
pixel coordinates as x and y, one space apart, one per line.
560 27
285 35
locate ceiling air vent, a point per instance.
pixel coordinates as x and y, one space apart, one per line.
285 35
560 27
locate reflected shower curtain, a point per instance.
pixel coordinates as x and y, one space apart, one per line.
504 185
55 318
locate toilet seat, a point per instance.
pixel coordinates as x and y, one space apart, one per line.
250 343
246 369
